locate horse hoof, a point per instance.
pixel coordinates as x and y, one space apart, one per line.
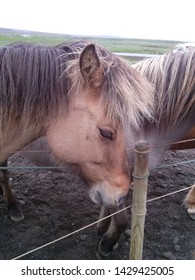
191 212
16 213
105 247
17 217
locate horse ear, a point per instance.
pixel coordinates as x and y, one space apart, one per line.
90 67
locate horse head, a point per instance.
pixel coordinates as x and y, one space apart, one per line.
84 135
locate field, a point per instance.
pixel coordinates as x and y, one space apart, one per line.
114 44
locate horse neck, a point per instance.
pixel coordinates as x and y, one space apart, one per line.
17 137
161 138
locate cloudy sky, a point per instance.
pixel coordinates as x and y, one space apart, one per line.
151 19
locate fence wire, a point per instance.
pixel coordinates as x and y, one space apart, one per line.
109 216
61 167
96 222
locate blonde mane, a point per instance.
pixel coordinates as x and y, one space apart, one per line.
173 76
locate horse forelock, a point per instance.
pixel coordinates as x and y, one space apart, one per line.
126 95
173 76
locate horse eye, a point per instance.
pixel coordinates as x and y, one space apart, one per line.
106 133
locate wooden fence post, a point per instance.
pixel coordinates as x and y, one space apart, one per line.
138 209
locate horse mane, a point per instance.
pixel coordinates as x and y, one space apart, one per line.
126 94
30 82
36 81
173 76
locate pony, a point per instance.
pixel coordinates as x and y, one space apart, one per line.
81 98
173 78
173 119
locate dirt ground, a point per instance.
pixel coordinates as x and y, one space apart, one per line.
55 204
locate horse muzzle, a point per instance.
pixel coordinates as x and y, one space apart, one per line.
102 197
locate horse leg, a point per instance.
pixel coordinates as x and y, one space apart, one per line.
190 202
111 229
102 226
13 206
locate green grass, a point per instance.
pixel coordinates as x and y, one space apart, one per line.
113 44
5 40
137 45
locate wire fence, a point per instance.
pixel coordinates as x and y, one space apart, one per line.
117 212
95 223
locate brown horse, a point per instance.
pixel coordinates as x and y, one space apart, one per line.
82 98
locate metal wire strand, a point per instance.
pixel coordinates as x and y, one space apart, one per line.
96 222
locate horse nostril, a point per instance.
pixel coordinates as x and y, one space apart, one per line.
98 198
121 199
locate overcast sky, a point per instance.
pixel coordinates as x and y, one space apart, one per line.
149 19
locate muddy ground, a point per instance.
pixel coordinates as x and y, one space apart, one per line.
55 204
